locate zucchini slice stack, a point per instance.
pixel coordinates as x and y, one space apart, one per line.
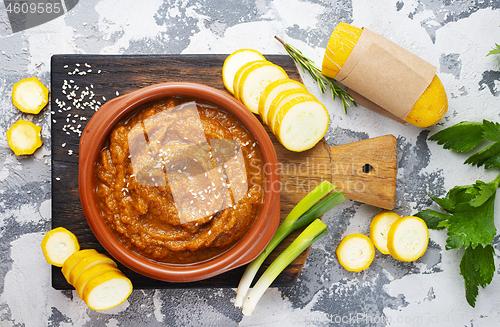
294 115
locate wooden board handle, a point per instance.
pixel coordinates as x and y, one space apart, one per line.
366 170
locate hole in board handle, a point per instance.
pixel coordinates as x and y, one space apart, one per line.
367 168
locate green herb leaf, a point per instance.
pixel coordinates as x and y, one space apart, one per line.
455 196
465 136
491 130
471 214
470 209
460 137
494 51
472 226
489 157
477 268
433 219
486 191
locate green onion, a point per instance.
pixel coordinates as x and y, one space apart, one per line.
301 215
316 230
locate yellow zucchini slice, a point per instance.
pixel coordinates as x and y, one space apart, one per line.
24 137
379 229
408 238
86 262
355 252
90 273
282 98
254 80
73 260
58 244
239 73
301 123
234 62
107 290
30 96
271 92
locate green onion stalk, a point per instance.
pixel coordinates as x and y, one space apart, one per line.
316 230
302 214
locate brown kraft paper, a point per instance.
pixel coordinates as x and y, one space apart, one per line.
390 77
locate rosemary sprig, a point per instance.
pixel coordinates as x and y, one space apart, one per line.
324 82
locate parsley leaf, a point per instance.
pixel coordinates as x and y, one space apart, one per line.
456 195
485 193
466 136
494 51
469 220
472 226
433 219
477 268
460 137
469 209
491 131
471 215
489 157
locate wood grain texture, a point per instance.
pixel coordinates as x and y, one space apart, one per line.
80 83
366 170
96 79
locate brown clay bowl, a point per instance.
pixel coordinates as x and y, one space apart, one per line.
93 140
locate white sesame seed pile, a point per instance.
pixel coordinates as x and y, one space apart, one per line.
77 97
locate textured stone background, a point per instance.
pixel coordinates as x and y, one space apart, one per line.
453 35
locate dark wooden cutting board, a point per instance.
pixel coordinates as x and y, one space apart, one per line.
80 83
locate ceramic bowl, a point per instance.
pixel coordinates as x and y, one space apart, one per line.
92 141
